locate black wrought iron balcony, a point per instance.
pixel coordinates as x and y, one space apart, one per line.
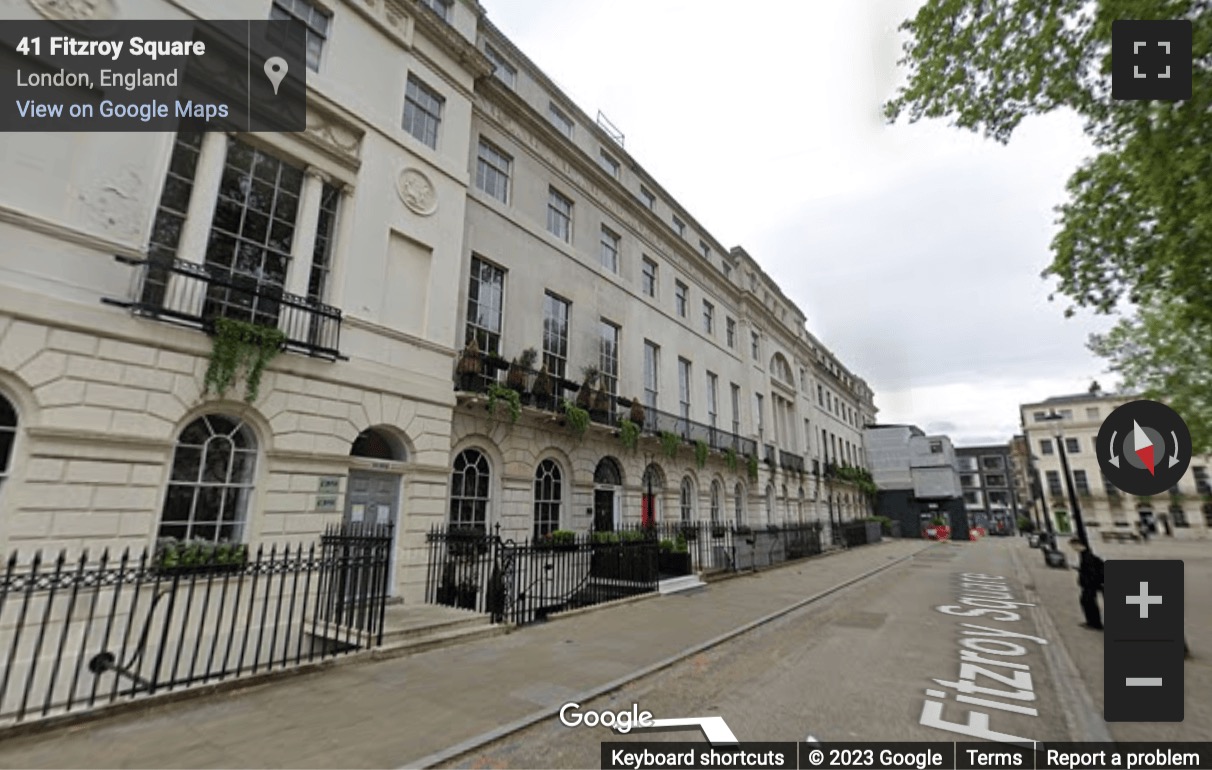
790 461
656 422
770 454
195 295
477 373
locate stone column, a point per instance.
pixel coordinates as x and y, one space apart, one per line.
183 292
208 174
338 271
306 223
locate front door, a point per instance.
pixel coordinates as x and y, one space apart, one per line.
374 498
603 510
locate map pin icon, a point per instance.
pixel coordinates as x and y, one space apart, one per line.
275 70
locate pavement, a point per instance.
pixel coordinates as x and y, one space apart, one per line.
409 711
1059 592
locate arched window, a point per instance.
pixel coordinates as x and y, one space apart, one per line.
469 483
607 473
212 481
548 494
740 504
781 370
8 436
717 494
687 500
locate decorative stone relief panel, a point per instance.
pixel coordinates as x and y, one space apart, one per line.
417 192
333 135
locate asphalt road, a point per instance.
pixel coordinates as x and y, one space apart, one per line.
862 665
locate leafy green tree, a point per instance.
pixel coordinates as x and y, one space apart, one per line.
1135 235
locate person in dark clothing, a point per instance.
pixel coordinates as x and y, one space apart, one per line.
1090 580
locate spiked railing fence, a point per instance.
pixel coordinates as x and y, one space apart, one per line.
78 633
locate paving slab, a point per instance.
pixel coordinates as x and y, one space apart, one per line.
392 712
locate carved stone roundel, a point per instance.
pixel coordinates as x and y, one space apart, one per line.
74 10
417 192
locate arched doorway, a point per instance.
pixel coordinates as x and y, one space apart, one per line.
607 494
372 496
651 486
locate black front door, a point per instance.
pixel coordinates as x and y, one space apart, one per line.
603 510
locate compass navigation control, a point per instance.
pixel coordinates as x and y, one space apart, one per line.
1144 447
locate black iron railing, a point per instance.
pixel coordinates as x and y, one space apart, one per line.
195 295
790 461
478 374
77 634
523 581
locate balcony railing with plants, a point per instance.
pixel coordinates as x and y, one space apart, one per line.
197 295
789 461
510 385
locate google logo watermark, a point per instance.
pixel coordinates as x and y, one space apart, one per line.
620 721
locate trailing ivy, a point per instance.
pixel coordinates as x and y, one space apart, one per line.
629 434
730 459
752 467
670 443
241 346
498 393
700 453
578 418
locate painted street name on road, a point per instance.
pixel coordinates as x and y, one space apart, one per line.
987 597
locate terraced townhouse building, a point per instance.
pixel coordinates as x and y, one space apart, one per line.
1184 511
445 190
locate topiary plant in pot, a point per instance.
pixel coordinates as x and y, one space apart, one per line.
584 398
638 413
469 368
542 390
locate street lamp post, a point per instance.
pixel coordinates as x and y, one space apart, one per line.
1069 486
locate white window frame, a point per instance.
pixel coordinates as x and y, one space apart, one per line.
681 298
502 69
493 169
560 119
609 163
419 114
647 287
220 438
652 379
608 250
295 10
548 497
559 215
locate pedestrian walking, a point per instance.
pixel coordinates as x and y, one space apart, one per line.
1090 580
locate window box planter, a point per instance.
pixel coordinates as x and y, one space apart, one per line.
559 540
174 557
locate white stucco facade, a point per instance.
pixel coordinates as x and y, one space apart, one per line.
383 229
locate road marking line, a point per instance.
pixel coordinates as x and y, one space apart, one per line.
1143 681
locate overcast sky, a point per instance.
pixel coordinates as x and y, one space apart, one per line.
914 251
